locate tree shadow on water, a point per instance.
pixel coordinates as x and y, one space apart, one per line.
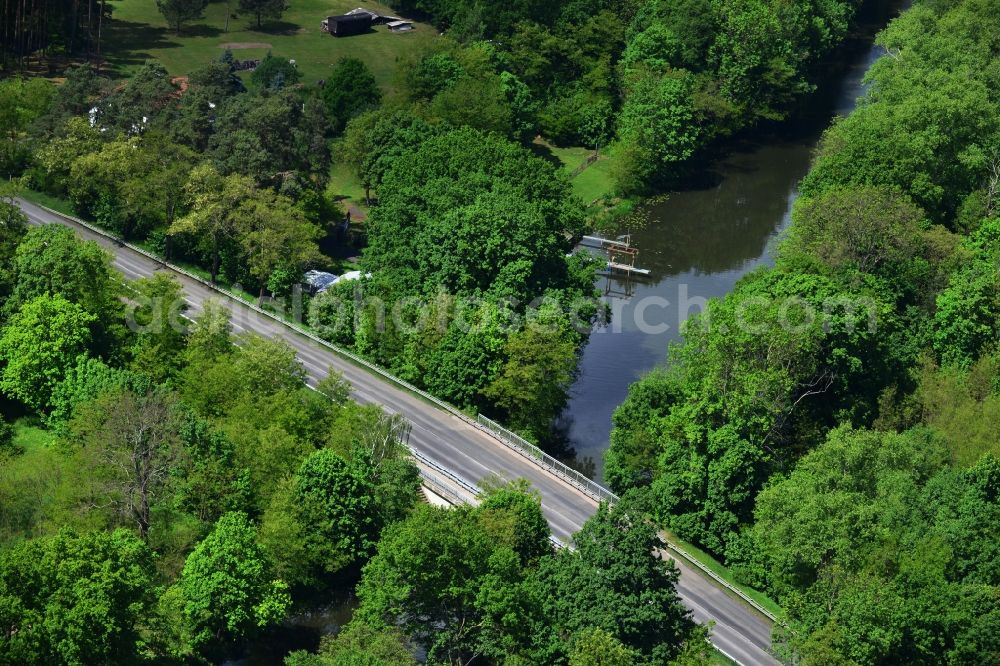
559 445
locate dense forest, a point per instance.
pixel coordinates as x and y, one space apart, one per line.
172 493
50 29
830 428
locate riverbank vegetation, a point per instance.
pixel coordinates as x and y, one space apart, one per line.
829 427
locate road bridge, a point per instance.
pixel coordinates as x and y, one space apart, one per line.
445 441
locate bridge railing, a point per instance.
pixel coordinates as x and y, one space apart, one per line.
432 480
519 444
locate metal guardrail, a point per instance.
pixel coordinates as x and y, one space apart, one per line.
429 481
519 444
506 437
465 485
451 496
747 599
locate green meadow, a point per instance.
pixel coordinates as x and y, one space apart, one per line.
139 33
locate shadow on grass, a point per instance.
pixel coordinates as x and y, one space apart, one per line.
276 28
129 43
545 152
200 30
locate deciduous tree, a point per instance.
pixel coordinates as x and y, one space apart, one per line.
179 12
227 587
129 444
261 9
348 91
39 345
76 598
214 202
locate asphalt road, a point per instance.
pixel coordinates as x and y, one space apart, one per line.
741 633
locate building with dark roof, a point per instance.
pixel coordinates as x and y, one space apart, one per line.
348 24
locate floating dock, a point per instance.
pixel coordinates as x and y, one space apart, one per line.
602 243
621 254
625 268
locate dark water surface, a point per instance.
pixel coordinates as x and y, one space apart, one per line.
701 240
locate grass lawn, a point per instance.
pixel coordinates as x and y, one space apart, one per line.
29 436
594 182
345 186
591 184
139 33
720 659
55 203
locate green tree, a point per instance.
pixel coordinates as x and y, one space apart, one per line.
210 481
179 12
336 505
656 47
924 130
76 599
268 134
348 91
266 366
275 72
963 407
209 335
379 454
596 647
358 644
475 214
756 59
13 227
38 347
97 180
966 318
657 117
477 102
156 316
51 260
534 382
261 9
516 505
784 356
87 380
870 230
275 234
877 550
7 433
214 202
449 579
131 108
432 74
614 580
227 587
22 101
129 445
54 159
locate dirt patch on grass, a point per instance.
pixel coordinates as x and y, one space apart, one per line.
244 45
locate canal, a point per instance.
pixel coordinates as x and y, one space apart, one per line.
703 239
